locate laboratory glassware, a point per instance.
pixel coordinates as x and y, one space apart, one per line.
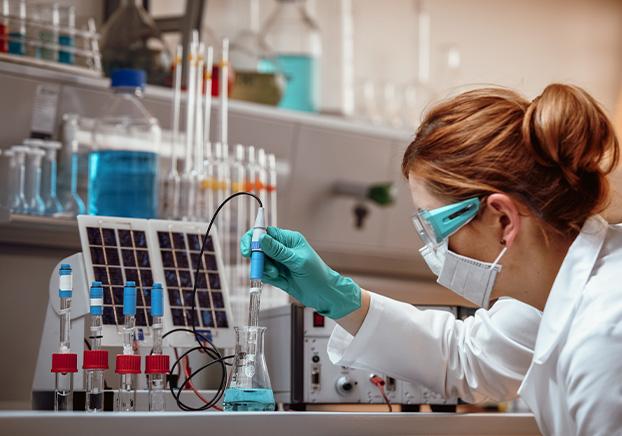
294 37
71 201
4 27
123 164
249 388
49 175
272 190
131 39
46 22
17 27
7 176
172 182
157 363
19 204
66 38
199 146
224 93
34 201
64 363
188 191
95 359
128 363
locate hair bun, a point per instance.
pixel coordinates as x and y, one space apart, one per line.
566 128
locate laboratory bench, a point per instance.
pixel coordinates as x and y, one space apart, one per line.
275 423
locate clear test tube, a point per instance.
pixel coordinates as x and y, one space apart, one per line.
34 201
47 20
70 198
251 182
239 291
66 37
17 27
4 26
199 146
19 205
172 183
209 186
272 190
224 220
49 174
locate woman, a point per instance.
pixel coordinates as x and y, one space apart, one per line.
508 194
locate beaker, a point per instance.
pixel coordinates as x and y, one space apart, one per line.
249 388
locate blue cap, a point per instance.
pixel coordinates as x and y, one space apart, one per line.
64 288
127 78
129 298
257 261
157 298
96 293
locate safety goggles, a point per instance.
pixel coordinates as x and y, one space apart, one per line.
434 226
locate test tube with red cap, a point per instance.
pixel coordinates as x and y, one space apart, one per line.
128 363
64 363
157 363
95 359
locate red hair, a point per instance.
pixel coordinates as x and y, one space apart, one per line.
552 154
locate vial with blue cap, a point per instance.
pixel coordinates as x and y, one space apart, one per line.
157 363
123 164
95 359
64 363
128 363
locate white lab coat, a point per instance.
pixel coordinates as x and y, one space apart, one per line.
565 363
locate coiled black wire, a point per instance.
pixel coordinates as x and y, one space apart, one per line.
209 349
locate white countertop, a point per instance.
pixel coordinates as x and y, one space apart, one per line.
276 423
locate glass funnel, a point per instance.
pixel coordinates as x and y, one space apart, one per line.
249 388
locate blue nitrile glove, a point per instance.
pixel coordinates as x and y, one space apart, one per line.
294 266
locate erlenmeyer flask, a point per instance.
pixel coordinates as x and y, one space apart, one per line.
249 388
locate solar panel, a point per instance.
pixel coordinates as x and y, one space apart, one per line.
117 250
178 245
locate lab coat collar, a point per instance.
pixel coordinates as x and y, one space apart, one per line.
569 284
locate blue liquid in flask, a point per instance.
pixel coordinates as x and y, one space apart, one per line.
301 75
123 183
248 400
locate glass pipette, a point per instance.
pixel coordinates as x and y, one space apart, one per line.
199 146
224 93
172 183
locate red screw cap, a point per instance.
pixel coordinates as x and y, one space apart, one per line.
128 364
157 364
64 362
95 359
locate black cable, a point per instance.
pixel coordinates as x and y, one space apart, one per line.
201 339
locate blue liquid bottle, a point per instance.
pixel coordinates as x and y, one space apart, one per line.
249 388
295 38
123 167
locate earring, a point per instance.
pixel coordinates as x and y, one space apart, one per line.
503 242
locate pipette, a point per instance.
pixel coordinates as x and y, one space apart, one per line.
172 183
199 146
209 65
272 192
188 183
224 93
95 359
157 363
128 363
64 363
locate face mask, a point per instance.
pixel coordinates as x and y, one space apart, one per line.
467 277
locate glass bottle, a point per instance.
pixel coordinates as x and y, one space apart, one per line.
249 388
123 165
294 37
131 39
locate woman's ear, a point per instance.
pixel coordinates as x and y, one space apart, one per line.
504 214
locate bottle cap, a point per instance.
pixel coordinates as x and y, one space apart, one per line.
157 364
157 298
127 78
129 298
95 359
64 362
96 298
127 364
